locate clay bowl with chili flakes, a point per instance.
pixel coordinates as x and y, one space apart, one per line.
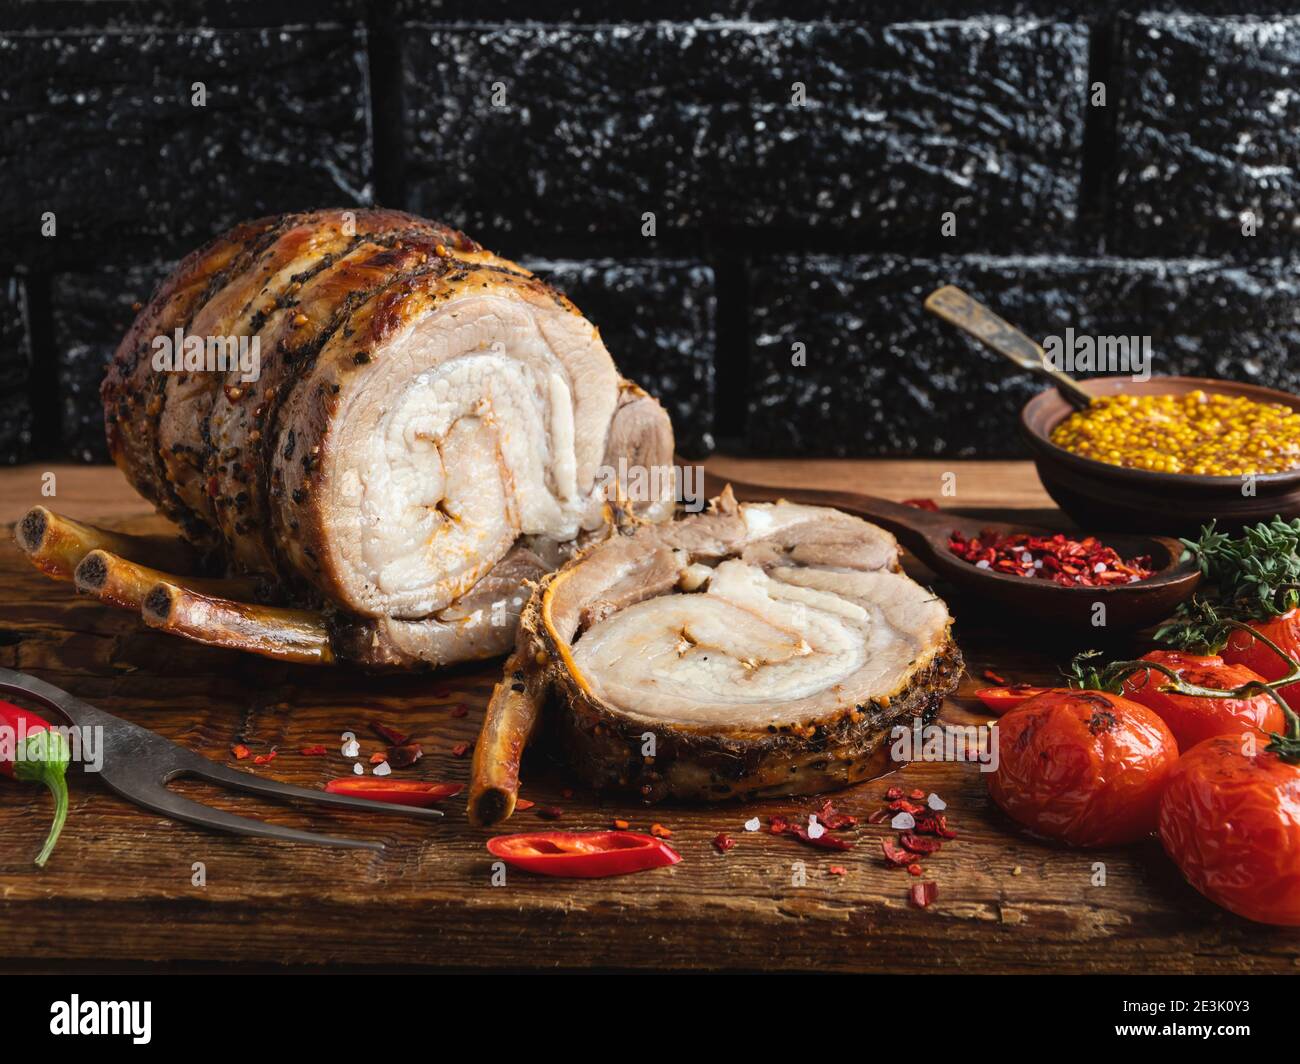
1007 598
1098 495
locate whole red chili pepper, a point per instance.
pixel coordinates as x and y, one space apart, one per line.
32 751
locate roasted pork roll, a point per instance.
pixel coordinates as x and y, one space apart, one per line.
380 422
757 649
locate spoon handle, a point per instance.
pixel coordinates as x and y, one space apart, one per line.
976 320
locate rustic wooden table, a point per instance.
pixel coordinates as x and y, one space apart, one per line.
125 885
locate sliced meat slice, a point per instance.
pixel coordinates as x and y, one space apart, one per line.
757 649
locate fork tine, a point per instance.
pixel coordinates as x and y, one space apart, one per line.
246 781
159 799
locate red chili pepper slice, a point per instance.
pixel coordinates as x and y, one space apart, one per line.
583 854
824 841
389 734
398 792
37 753
999 700
923 893
313 751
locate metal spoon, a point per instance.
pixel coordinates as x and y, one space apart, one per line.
976 320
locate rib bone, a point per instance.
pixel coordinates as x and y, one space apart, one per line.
119 582
56 544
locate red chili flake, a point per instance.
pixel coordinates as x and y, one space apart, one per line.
904 806
566 793
878 817
405 756
240 751
837 870
935 824
918 843
460 750
917 795
993 677
915 870
778 825
313 751
262 759
621 825
923 893
523 803
1070 562
459 710
549 812
390 735
893 855
923 504
378 757
893 793
660 832
723 842
825 840
832 820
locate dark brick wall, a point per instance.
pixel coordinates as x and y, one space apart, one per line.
552 131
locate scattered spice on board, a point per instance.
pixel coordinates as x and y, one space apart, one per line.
922 894
621 825
405 756
922 504
825 840
313 751
262 759
378 757
550 812
460 750
837 870
833 820
459 710
523 803
915 870
239 751
660 832
1070 562
390 735
894 856
723 842
994 677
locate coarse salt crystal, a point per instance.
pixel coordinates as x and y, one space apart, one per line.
1100 567
351 748
936 803
753 824
903 822
815 830
1026 557
383 769
982 564
358 770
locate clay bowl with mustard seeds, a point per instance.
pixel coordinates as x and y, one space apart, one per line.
1098 494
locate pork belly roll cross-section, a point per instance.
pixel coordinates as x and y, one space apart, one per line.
756 649
428 428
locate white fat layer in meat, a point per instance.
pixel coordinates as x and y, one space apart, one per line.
471 428
784 646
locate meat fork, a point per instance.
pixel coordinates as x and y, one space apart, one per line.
138 763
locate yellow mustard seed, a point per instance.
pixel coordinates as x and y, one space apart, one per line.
1198 432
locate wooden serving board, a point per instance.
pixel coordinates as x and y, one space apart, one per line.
123 885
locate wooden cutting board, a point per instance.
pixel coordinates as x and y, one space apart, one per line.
126 885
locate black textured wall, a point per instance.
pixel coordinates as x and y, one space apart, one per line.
662 165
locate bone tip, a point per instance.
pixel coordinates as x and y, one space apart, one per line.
490 806
157 605
30 531
92 571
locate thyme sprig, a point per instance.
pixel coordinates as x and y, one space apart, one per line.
1085 672
1253 577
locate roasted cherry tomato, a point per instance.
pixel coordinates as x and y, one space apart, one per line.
1230 819
999 700
398 792
1085 767
1193 719
583 854
1285 632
